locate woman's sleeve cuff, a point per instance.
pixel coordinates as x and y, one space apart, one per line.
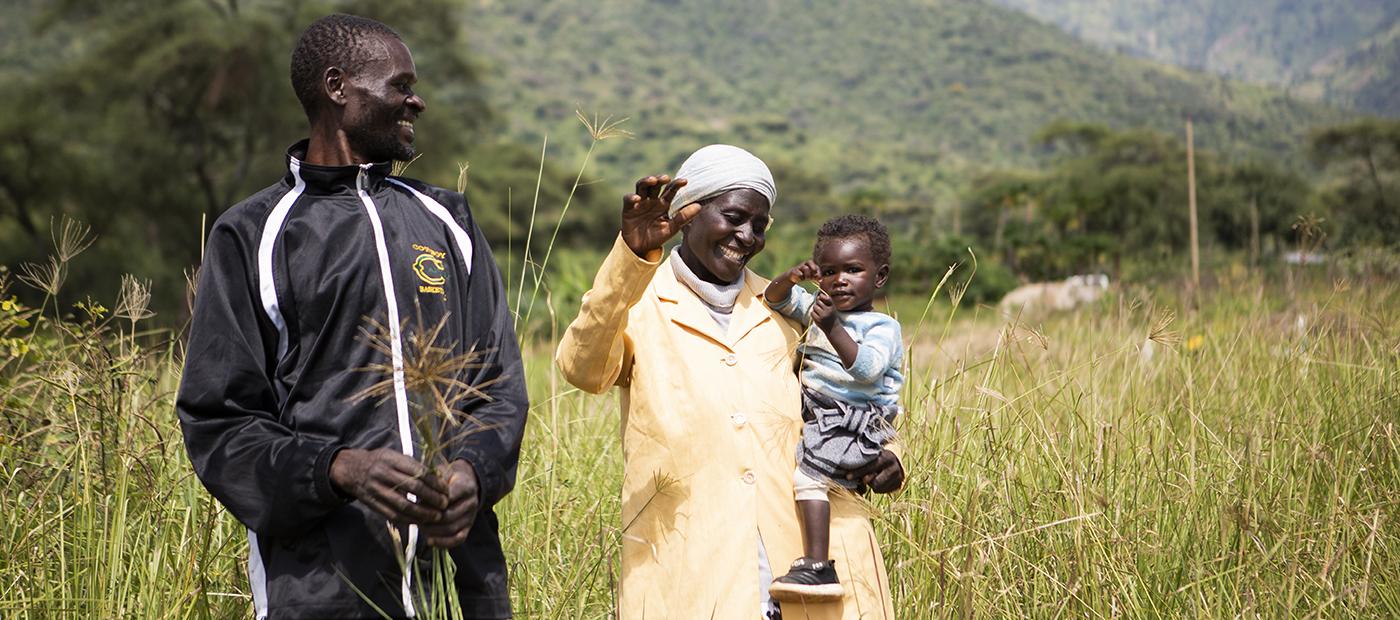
625 272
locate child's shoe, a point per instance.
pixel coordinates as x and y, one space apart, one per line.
808 581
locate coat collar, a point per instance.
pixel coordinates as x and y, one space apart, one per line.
684 307
331 179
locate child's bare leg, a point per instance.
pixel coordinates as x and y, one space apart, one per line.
816 529
812 577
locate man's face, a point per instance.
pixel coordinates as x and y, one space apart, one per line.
381 105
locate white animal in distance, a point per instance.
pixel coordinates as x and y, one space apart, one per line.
1054 296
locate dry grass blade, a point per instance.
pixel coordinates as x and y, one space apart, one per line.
958 290
605 128
429 369
400 167
191 287
462 169
1161 331
71 239
434 376
46 277
134 299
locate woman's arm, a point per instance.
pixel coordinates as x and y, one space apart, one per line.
595 350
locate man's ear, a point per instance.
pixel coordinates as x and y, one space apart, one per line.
882 275
333 83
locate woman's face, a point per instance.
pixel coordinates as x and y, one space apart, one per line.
729 231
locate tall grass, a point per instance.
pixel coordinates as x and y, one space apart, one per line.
100 514
1136 458
1114 462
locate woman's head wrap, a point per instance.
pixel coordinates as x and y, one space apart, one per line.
718 168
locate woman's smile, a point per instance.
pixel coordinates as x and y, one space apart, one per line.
734 255
728 232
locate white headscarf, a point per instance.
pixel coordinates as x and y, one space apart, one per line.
718 168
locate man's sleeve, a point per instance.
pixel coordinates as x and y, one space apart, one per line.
490 439
275 481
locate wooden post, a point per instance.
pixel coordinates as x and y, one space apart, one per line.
1253 230
1191 200
957 218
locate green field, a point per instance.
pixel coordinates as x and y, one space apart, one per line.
1153 455
1246 465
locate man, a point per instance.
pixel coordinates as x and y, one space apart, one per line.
330 486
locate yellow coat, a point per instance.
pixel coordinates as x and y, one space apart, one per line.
710 423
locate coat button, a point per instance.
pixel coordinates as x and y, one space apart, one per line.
731 359
749 478
739 419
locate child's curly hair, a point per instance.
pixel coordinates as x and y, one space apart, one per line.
877 238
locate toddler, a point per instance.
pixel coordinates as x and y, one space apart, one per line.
850 378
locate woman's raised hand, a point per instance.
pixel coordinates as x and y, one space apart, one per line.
646 224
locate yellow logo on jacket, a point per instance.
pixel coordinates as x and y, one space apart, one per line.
430 269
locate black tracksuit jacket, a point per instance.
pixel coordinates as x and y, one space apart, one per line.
290 277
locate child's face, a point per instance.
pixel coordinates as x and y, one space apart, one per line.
849 274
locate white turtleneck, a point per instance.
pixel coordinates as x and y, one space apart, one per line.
719 299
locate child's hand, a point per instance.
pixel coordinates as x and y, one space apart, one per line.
806 270
824 312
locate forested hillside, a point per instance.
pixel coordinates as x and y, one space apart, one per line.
1367 76
1342 51
146 122
903 98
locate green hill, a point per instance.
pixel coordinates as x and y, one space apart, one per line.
902 98
1367 76
1341 51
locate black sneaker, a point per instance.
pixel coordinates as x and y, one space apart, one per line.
808 581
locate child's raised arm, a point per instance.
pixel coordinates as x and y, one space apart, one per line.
781 286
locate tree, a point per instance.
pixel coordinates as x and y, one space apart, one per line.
1367 155
1120 193
1002 199
146 119
1071 138
1252 202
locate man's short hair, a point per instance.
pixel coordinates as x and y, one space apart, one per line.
851 225
333 41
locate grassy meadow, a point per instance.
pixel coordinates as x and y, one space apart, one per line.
1137 458
1232 454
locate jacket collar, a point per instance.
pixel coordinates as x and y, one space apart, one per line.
331 179
684 307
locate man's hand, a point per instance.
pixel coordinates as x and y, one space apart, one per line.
883 475
463 502
824 312
383 478
646 224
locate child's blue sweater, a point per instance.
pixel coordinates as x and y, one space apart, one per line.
875 375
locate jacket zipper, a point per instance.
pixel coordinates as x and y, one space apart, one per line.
396 357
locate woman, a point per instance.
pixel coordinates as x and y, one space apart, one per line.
710 405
